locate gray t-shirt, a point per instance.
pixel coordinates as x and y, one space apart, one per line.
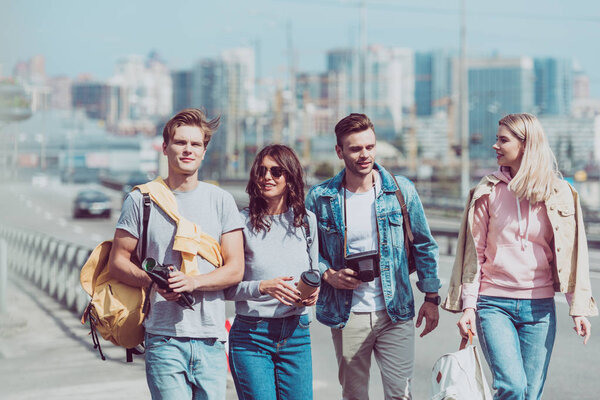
281 251
216 213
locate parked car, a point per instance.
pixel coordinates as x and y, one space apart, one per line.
91 203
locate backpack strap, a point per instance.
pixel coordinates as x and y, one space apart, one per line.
408 235
145 218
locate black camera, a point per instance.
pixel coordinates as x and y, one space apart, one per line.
365 263
160 275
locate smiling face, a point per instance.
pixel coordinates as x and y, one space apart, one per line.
273 189
185 150
358 152
509 149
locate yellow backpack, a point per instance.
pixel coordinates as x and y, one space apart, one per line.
116 310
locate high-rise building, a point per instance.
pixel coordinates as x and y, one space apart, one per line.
145 86
60 92
497 86
206 84
553 86
99 100
389 84
182 90
433 78
581 85
233 97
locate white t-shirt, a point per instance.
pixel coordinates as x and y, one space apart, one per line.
362 236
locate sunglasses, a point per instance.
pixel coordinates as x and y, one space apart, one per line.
276 172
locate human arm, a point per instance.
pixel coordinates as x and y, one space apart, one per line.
470 290
481 217
426 256
231 273
120 265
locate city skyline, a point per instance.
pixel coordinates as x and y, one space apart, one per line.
80 37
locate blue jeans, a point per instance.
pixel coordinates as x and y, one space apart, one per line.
185 368
270 358
517 336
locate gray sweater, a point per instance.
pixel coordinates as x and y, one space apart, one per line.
281 251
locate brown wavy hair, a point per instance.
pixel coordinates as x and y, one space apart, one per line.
294 176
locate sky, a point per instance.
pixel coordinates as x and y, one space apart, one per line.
81 36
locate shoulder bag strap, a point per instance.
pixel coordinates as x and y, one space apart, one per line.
408 235
307 238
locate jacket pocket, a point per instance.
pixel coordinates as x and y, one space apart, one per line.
396 233
566 210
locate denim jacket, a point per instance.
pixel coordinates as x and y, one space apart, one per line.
326 201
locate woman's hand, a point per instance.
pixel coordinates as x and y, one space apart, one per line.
279 289
583 327
467 322
312 299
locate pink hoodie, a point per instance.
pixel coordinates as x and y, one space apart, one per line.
514 247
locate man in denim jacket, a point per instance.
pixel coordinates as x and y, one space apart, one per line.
358 214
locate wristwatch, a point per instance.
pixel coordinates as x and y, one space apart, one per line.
435 300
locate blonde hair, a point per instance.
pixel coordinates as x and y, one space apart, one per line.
538 174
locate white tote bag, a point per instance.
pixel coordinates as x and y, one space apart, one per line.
459 375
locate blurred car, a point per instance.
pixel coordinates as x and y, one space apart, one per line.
91 203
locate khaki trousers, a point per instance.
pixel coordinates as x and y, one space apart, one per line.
394 349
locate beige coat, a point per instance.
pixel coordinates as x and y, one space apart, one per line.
570 267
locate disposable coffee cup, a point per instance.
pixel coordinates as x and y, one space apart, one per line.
308 283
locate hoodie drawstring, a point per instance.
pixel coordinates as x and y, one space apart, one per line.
523 234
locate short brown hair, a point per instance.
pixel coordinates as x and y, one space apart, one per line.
351 124
191 117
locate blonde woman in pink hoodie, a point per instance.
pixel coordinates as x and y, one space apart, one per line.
522 239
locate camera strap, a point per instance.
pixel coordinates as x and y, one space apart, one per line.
345 218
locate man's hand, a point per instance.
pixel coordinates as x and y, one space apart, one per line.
431 314
342 279
583 327
279 289
180 282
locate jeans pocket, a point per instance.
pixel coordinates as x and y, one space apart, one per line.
304 321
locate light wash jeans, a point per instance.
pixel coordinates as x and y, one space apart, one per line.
185 368
270 358
516 337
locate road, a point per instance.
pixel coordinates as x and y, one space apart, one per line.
31 366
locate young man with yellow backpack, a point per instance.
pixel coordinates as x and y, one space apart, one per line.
197 229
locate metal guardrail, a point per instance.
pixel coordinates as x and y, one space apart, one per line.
52 264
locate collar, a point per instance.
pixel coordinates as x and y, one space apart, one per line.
334 186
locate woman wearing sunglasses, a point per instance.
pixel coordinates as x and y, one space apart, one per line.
269 342
522 238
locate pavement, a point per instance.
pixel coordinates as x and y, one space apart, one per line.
45 353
